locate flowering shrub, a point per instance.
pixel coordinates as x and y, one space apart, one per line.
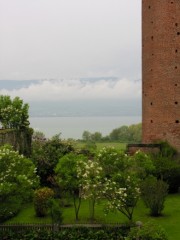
90 173
17 180
121 196
113 161
120 185
41 200
67 179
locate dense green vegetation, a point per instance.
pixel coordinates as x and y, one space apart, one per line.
126 134
67 182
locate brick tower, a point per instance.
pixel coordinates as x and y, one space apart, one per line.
161 71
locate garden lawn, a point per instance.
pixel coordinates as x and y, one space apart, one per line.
100 145
170 220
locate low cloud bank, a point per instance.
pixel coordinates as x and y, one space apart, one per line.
78 89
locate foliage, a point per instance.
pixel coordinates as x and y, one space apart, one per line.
17 180
38 136
148 231
127 134
46 155
91 137
74 233
112 161
154 193
122 195
66 176
41 198
13 113
120 186
168 170
124 133
89 174
167 150
143 165
56 211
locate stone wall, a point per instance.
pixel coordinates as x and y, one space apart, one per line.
146 148
20 140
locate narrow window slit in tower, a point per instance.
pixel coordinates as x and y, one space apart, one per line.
151 103
175 84
176 102
178 33
176 50
176 24
177 121
152 38
151 121
175 67
149 7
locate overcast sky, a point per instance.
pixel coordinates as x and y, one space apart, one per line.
55 39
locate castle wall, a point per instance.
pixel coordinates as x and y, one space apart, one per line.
161 71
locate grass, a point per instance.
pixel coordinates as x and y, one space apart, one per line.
170 219
100 145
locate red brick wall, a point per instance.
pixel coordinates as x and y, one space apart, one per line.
161 71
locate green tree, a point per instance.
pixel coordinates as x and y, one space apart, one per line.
86 136
120 134
13 113
127 134
38 136
17 180
66 176
46 155
135 131
96 137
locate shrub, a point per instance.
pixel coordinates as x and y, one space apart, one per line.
56 212
154 193
147 232
41 198
168 169
80 233
17 180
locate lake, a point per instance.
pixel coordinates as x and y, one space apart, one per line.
73 127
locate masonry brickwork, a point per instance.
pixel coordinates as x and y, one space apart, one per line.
161 71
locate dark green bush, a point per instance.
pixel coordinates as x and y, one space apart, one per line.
56 211
67 234
154 193
9 208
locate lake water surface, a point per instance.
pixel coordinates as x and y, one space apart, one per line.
73 127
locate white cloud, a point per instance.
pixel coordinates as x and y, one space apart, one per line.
54 90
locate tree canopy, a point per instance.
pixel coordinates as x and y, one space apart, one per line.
13 113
